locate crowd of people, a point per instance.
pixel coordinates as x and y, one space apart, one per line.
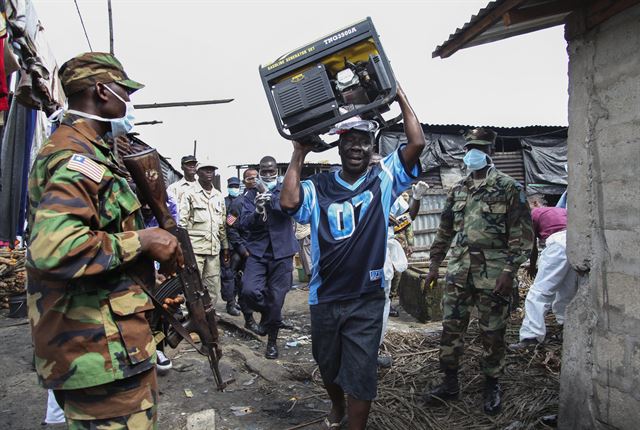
93 346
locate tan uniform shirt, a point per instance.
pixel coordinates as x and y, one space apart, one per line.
203 214
177 189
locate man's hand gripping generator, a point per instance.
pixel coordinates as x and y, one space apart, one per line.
339 76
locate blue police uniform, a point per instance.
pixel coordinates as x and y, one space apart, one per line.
229 274
271 245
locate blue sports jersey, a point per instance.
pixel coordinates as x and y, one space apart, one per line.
349 228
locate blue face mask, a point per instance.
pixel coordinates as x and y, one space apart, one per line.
475 159
270 181
234 192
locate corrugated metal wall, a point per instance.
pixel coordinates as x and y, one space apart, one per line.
511 163
426 223
425 226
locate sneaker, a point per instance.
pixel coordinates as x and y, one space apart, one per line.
163 364
524 345
384 361
393 312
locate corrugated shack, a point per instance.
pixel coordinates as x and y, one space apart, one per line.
536 156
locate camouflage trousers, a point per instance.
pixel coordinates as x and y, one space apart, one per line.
457 303
126 404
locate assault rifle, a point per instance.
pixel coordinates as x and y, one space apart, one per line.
147 174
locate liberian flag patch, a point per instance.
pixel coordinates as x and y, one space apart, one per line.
231 219
87 167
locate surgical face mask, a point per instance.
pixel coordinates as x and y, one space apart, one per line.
234 192
475 159
119 126
271 181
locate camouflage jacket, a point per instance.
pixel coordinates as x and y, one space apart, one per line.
489 226
204 216
87 314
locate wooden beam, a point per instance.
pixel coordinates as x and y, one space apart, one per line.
593 14
179 104
478 28
602 10
517 16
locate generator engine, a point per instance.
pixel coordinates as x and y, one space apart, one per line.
332 79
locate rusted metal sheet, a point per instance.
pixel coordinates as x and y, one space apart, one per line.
511 163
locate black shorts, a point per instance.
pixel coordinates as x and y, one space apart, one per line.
345 339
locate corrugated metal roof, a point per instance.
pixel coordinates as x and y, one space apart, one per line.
496 22
529 130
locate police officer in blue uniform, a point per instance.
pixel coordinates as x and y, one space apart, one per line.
271 244
228 272
238 242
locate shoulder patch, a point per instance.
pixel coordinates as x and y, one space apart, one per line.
87 167
231 219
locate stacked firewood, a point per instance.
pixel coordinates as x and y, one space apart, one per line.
12 274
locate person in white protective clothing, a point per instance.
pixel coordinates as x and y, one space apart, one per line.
555 282
396 260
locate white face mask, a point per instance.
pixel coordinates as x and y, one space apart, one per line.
119 126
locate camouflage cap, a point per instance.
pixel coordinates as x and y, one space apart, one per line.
480 136
86 69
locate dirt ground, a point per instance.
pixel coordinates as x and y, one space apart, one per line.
267 394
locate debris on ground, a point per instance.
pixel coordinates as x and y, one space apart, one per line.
530 381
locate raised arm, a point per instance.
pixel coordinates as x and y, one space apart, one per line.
290 196
412 129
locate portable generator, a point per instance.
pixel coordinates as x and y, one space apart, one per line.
334 78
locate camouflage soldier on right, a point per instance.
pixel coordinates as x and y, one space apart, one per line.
487 218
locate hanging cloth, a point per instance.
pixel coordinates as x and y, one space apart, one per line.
4 90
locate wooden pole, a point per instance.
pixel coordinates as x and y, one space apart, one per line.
110 27
181 104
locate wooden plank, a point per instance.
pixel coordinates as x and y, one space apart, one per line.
478 28
182 104
426 230
430 212
590 16
517 16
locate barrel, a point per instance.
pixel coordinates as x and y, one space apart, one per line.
18 306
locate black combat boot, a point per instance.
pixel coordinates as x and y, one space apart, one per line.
447 390
492 396
232 308
251 325
272 345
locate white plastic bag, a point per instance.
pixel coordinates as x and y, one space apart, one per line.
55 415
397 256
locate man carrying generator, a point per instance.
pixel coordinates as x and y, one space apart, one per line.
349 211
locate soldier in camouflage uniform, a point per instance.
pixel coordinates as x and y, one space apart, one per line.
487 219
88 256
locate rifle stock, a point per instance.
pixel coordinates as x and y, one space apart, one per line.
147 174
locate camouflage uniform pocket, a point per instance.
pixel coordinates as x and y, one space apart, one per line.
458 214
128 308
118 399
494 211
